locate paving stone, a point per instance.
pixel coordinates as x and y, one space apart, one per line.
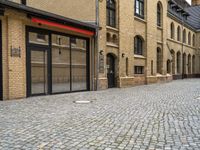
159 116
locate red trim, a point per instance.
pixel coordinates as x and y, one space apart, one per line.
53 24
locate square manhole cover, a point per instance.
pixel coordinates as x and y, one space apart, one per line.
198 98
82 102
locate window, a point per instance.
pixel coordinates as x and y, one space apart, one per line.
172 30
193 64
127 64
178 62
139 8
41 36
159 13
193 40
178 33
138 45
23 2
189 38
73 41
111 13
159 60
184 36
139 69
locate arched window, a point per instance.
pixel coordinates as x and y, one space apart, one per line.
139 8
193 64
138 45
172 30
173 61
168 66
193 40
189 64
159 60
178 33
184 36
178 62
184 63
189 38
23 2
108 36
115 39
159 15
111 13
127 64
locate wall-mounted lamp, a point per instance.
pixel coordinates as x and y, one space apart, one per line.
101 52
123 55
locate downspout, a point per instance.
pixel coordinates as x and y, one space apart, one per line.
97 45
182 49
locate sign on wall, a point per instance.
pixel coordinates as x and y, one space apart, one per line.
15 52
101 64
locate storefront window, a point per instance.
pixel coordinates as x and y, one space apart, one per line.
79 65
60 63
56 66
38 38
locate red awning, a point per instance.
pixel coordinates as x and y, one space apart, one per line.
58 25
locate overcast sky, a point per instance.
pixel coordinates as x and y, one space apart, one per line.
189 1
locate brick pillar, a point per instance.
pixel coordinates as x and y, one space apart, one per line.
16 65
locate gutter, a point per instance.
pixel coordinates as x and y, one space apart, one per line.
47 15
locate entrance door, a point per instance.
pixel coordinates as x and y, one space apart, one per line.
1 77
39 72
111 70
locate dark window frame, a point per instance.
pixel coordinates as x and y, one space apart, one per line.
139 70
23 2
138 45
111 13
178 33
139 10
172 31
159 15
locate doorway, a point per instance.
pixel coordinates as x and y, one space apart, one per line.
39 72
111 71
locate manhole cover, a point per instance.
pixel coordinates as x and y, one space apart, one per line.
198 98
82 102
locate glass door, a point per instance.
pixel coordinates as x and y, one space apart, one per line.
78 64
39 72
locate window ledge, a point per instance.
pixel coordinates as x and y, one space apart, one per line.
111 28
139 75
112 45
139 56
159 27
140 19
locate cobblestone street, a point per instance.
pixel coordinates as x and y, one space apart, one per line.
152 117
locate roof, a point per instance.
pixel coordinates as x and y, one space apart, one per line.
47 15
182 3
194 18
192 13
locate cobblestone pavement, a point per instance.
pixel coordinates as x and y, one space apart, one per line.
153 117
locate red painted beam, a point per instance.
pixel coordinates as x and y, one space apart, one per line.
54 24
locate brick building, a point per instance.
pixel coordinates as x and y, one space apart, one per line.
43 53
138 42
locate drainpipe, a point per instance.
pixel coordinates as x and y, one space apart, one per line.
182 49
97 45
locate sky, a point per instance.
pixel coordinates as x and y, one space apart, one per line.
189 1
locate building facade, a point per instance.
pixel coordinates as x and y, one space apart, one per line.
43 53
138 42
